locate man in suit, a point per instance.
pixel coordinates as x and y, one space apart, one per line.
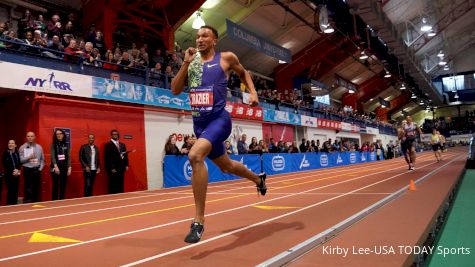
117 163
89 158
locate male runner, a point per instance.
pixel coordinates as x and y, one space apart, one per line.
207 73
410 135
436 145
402 141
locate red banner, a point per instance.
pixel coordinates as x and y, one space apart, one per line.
244 111
328 124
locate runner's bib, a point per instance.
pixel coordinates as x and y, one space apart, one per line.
201 99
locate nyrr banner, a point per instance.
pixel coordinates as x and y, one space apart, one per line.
177 169
23 77
251 39
138 93
328 124
278 163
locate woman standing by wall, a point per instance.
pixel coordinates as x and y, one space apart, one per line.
11 162
60 163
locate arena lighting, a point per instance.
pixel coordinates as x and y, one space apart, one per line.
387 75
425 26
329 29
431 34
198 22
383 106
403 86
446 67
441 54
413 96
282 62
351 91
363 55
442 62
456 96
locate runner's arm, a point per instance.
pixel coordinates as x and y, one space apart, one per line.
245 77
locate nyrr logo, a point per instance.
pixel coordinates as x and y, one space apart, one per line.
304 163
278 163
48 83
352 158
372 156
323 160
187 170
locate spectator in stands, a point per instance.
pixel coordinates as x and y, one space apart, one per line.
26 23
40 25
55 44
69 28
254 147
125 62
3 28
293 148
169 74
38 40
89 159
116 162
242 147
309 146
365 147
54 26
66 39
170 146
87 54
156 76
272 146
303 146
72 52
317 146
98 42
185 148
379 150
110 62
229 148
33 160
29 38
175 63
264 147
60 164
158 58
285 147
11 163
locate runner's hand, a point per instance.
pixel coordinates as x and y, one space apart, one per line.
190 54
253 100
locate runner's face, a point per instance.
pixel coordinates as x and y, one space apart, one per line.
205 40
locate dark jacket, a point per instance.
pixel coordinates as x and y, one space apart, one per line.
113 158
11 162
85 155
60 149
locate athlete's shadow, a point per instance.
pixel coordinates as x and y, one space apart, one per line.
250 236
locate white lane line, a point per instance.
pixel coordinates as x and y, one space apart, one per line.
260 223
274 178
189 219
137 204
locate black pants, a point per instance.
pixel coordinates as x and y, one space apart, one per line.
116 182
32 184
13 183
59 183
89 178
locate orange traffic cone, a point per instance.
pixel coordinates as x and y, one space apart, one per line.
412 186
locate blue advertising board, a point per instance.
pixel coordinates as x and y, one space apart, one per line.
138 93
177 169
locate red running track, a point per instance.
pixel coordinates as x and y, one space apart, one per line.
241 229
